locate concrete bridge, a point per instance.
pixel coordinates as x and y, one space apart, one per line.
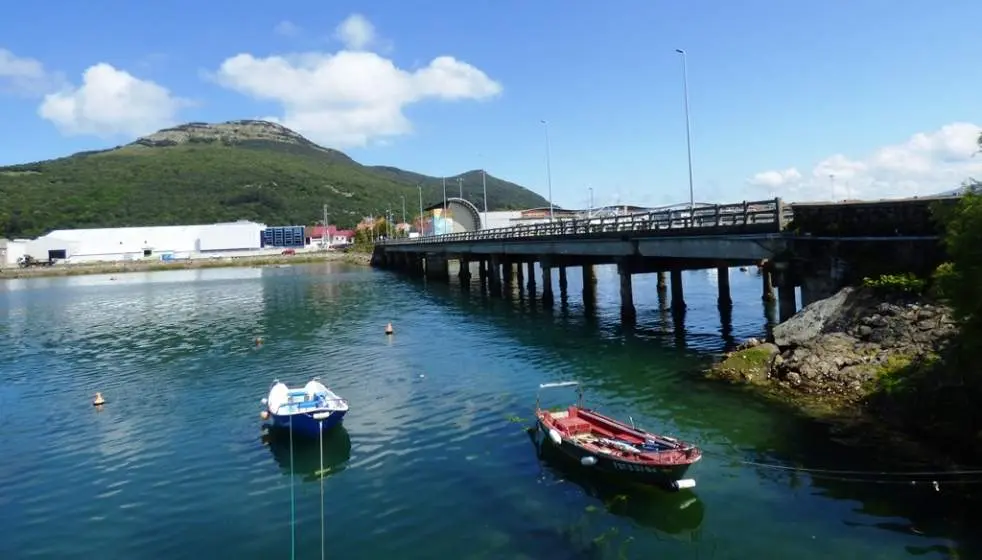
819 247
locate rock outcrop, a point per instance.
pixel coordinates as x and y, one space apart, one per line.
229 133
838 347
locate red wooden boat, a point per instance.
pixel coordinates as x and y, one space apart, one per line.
599 442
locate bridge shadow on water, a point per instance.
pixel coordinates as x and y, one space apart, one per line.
784 449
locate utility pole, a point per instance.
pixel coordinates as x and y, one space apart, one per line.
545 124
444 204
420 189
484 184
688 135
325 236
460 185
403 208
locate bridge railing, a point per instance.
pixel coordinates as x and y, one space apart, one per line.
746 213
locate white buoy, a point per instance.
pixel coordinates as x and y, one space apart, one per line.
588 461
555 437
684 483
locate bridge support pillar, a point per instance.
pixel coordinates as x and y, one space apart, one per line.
723 285
662 282
547 299
678 299
563 295
494 276
416 265
589 286
767 287
507 278
786 301
520 276
482 272
437 268
464 274
628 313
531 283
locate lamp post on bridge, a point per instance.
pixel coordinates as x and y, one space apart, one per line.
688 134
590 211
545 124
420 189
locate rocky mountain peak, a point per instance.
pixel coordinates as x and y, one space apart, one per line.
229 133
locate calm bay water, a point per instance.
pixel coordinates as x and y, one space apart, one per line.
433 461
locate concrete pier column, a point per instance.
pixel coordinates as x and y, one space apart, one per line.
494 276
563 295
464 274
589 286
531 282
482 271
628 313
786 301
767 280
723 283
678 300
437 268
662 282
520 276
507 278
547 299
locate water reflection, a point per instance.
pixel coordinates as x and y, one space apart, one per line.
672 513
307 461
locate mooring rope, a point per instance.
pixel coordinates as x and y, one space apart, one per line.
321 434
869 473
293 518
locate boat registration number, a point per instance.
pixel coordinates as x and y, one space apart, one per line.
635 468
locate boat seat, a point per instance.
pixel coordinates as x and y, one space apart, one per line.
306 404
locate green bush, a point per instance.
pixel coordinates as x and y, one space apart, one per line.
896 284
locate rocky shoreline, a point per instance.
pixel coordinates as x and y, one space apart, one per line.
841 347
843 360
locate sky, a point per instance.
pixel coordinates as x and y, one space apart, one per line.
803 100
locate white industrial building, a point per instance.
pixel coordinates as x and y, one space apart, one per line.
142 243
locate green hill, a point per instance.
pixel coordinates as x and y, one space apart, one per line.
204 173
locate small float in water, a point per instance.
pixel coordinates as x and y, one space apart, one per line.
308 410
599 442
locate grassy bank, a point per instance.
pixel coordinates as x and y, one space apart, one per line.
356 258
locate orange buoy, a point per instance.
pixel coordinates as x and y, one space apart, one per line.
263 414
259 341
99 401
388 329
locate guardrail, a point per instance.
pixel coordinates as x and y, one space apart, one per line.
761 212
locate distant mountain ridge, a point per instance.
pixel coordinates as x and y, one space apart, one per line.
201 173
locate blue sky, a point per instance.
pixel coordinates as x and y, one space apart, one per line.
880 94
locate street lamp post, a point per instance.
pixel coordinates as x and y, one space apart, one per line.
420 189
548 167
460 185
484 184
444 204
590 212
688 134
403 197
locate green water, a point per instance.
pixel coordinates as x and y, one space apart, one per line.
433 460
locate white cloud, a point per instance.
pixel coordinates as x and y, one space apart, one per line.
287 28
25 76
355 32
351 97
927 163
111 102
